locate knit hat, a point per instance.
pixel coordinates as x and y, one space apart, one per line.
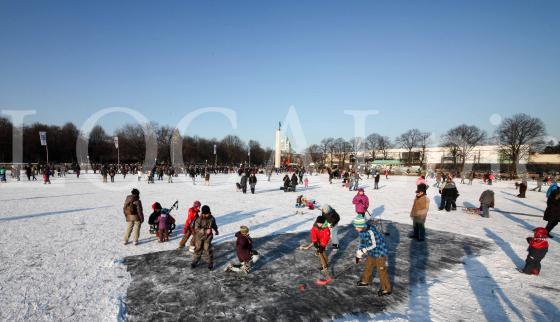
205 210
156 205
320 220
244 229
541 232
326 209
421 188
196 204
359 222
135 192
361 190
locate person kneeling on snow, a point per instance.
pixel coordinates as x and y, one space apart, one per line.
204 228
538 247
245 253
320 237
152 220
373 249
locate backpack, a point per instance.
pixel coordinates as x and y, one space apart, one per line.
130 210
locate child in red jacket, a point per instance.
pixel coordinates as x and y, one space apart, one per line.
320 237
538 247
189 224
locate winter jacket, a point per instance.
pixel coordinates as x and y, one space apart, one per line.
420 181
377 177
133 209
449 191
192 216
252 180
243 181
295 180
244 247
552 211
204 228
152 220
420 209
332 217
320 237
162 221
372 242
487 198
361 202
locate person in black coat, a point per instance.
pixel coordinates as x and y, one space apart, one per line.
252 182
552 212
243 183
295 181
449 195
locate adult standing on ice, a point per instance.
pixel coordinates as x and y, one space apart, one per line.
252 182
377 178
374 249
332 218
204 228
134 215
419 212
552 212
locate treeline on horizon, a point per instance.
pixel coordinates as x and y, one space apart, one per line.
517 135
62 141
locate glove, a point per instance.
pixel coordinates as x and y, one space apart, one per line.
360 253
357 260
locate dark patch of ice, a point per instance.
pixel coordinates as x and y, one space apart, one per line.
165 288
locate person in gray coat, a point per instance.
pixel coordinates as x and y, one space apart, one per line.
486 201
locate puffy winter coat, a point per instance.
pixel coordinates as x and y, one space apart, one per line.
361 202
420 181
295 180
487 198
320 236
420 209
133 209
449 191
552 188
243 181
252 180
205 227
191 218
244 247
373 242
162 221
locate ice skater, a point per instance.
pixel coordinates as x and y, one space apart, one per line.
188 229
320 237
538 247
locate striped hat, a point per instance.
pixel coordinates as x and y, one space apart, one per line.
359 222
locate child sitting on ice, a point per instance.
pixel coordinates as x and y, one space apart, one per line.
245 254
538 247
302 202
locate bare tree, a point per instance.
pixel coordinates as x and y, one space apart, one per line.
518 135
383 144
315 152
409 140
328 148
372 143
462 140
342 149
423 142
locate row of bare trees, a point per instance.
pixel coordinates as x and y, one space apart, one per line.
132 148
517 136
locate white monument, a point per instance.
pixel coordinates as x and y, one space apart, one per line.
278 151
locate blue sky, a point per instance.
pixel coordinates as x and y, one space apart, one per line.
425 64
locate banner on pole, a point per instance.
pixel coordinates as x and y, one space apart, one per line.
214 149
116 139
43 138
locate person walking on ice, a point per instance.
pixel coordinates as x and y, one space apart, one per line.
192 216
373 251
245 254
361 202
134 215
419 212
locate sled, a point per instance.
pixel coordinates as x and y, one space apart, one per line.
472 211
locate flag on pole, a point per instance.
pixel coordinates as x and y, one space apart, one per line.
116 139
43 138
214 149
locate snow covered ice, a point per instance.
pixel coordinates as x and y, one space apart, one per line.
62 256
